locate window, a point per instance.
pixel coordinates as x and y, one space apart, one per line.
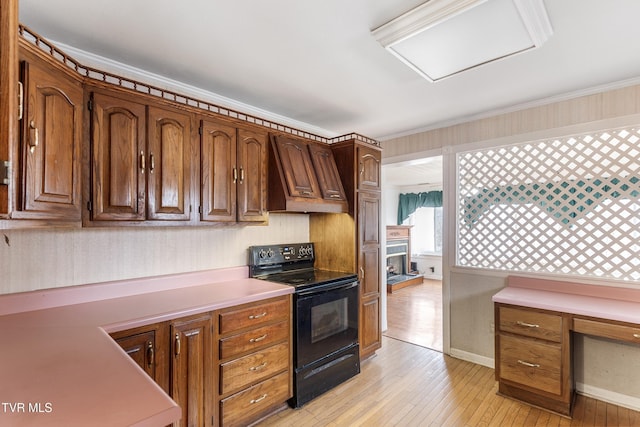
568 206
426 234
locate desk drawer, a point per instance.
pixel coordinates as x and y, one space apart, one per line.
531 363
531 323
608 330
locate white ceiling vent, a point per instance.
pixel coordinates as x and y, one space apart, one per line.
441 38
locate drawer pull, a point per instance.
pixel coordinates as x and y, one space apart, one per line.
261 398
530 365
636 335
257 368
527 325
258 339
258 316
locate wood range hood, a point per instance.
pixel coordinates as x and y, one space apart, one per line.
303 177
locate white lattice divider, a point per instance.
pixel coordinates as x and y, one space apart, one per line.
569 206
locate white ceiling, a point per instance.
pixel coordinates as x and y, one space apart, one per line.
317 64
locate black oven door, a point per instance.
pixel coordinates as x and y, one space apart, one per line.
326 321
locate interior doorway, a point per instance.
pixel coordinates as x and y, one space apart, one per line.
414 313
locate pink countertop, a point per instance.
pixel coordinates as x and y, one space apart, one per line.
605 302
58 365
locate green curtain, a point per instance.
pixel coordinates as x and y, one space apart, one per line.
408 203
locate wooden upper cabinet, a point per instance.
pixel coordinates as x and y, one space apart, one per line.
118 183
169 165
233 173
327 172
252 176
50 144
140 161
297 167
369 169
218 172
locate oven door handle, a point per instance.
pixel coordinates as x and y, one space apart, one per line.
330 287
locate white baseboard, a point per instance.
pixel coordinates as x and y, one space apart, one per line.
472 357
608 396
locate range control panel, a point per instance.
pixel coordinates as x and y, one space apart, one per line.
278 254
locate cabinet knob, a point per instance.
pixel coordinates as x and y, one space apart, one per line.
177 347
34 138
527 325
143 162
150 354
264 396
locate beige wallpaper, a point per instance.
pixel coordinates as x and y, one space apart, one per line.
39 259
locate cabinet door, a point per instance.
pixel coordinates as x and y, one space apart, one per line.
370 331
252 171
327 172
148 347
368 169
191 370
51 138
218 172
369 219
169 165
297 169
142 349
117 159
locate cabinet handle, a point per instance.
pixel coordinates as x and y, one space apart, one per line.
636 335
241 174
152 166
20 100
177 344
34 137
257 368
335 196
150 354
264 396
143 162
258 339
258 316
361 168
530 365
305 193
361 273
527 325
235 175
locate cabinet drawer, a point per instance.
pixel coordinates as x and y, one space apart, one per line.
607 330
531 323
256 315
531 363
255 367
253 339
243 407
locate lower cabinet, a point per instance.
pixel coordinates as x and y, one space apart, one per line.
255 362
533 357
192 369
228 367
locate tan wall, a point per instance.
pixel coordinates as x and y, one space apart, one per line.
40 259
606 105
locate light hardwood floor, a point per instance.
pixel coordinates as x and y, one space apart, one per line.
414 314
409 385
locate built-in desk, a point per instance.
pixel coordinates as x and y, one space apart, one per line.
534 320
